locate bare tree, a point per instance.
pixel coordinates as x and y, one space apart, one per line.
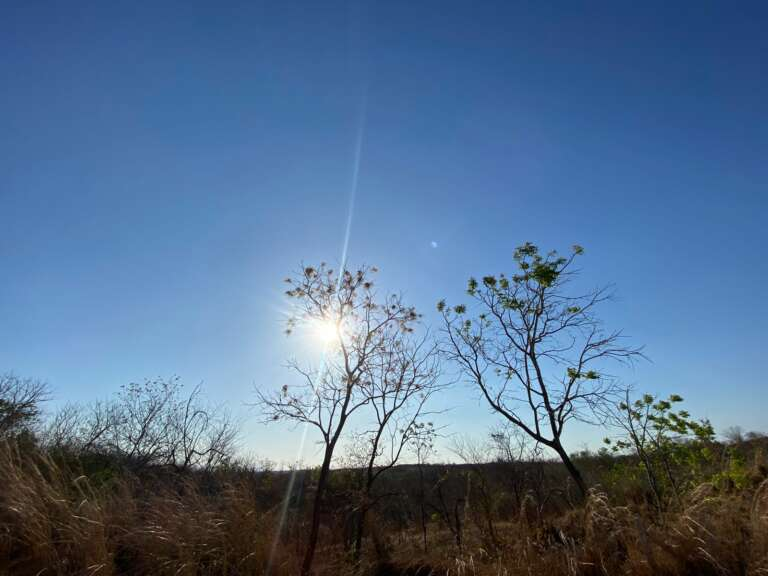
77 427
734 435
344 308
531 349
510 444
20 403
451 499
520 460
141 420
152 423
199 435
398 381
475 455
422 444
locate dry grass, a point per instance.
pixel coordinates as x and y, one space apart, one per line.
51 521
56 521
759 521
719 534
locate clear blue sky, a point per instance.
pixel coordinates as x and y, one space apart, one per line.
163 166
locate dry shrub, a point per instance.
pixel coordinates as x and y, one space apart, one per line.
701 494
529 510
599 520
605 547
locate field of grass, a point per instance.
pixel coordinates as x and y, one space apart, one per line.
89 514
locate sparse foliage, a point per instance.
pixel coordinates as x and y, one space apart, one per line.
422 444
535 353
663 439
398 381
368 336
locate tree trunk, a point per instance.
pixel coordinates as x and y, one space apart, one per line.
422 510
652 481
671 478
572 470
423 526
487 505
359 531
322 481
457 505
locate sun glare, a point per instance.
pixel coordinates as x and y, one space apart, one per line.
327 331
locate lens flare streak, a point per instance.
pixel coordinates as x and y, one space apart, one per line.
328 331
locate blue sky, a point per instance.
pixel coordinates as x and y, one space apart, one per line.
163 167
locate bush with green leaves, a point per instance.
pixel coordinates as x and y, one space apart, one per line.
673 449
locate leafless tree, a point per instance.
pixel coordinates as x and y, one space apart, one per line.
422 445
78 428
21 402
151 423
450 503
734 435
476 456
510 444
142 417
520 460
199 435
344 306
532 350
398 381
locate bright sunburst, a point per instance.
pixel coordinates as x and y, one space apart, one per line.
326 331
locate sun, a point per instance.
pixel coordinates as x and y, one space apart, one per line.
327 331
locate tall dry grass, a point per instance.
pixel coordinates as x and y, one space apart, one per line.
55 520
718 533
52 521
